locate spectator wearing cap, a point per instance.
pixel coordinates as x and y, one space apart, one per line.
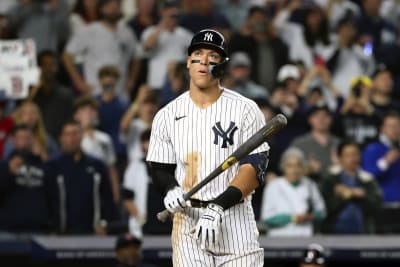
165 42
96 143
266 50
313 256
382 91
349 59
128 251
357 118
110 111
103 42
286 100
351 194
239 77
81 199
319 144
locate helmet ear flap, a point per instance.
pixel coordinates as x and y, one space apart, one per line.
209 38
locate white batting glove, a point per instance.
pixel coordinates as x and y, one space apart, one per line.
208 227
174 201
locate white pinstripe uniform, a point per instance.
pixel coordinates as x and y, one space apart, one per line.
197 141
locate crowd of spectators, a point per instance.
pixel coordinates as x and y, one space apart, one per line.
73 152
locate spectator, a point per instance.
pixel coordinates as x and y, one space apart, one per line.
266 50
351 194
23 206
83 13
382 159
165 42
176 84
308 40
292 203
111 109
357 118
339 9
54 101
382 91
136 119
146 16
4 27
375 32
204 15
136 187
44 21
44 146
96 143
313 256
238 78
318 145
128 250
235 12
80 190
102 43
286 99
348 59
6 124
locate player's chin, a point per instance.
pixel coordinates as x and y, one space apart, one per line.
204 82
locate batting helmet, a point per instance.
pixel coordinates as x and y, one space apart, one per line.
314 254
211 39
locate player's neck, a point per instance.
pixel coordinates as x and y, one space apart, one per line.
205 97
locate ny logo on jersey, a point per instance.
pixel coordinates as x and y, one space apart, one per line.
227 136
208 37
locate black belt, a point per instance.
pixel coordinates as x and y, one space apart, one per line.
197 203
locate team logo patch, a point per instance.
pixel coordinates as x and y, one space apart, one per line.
208 37
226 135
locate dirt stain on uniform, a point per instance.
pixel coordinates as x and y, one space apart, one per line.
192 168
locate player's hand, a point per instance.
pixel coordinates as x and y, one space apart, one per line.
174 201
208 227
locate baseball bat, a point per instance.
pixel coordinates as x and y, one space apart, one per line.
270 128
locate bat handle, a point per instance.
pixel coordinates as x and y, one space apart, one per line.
162 216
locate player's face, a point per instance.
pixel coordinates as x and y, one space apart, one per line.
200 72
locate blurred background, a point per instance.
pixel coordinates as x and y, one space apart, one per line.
81 81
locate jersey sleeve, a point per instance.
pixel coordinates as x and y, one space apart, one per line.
254 120
161 148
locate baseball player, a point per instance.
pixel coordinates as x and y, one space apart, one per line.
190 137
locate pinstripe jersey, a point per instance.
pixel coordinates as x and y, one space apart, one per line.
198 140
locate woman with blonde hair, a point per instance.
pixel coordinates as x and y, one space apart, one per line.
28 113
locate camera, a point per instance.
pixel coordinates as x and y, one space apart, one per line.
356 90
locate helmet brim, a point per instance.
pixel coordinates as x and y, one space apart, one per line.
206 45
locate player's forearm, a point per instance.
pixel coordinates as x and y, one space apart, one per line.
245 180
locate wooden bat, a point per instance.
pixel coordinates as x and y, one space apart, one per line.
270 128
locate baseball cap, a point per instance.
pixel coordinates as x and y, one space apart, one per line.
314 254
240 59
126 240
288 71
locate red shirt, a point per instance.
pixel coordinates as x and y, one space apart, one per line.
6 125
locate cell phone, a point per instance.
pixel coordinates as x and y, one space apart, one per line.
368 48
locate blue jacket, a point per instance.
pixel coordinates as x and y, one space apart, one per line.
389 179
80 194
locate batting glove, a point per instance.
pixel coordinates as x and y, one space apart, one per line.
209 226
174 201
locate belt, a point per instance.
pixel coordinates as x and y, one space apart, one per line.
197 203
